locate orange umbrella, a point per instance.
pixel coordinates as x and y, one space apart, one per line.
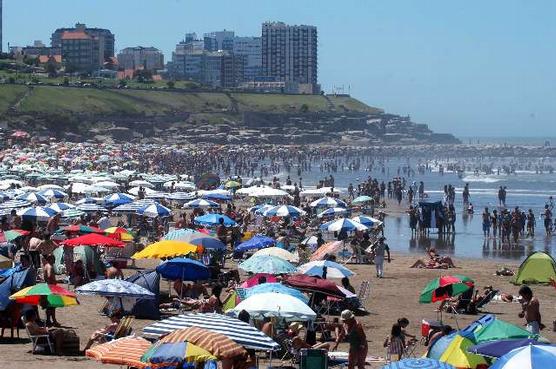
124 351
327 248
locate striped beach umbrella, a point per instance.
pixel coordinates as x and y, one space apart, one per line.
60 207
53 194
126 351
180 196
367 221
119 198
155 210
318 268
201 203
328 202
343 224
91 208
528 357
33 198
332 212
115 288
50 295
38 213
284 211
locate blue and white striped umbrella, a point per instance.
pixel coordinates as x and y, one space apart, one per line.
15 204
317 268
201 203
154 210
115 288
157 195
72 214
344 224
260 209
284 211
332 212
367 221
180 196
240 332
38 213
86 200
328 202
118 198
60 207
133 206
53 194
90 208
180 234
33 198
528 357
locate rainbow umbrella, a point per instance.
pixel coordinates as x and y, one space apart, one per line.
50 295
12 234
119 233
444 287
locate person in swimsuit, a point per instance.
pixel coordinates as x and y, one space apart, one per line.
354 334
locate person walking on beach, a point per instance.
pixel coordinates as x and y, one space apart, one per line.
379 249
531 223
531 310
352 331
486 223
547 215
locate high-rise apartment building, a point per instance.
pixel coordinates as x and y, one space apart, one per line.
289 53
220 40
107 38
141 58
1 15
251 49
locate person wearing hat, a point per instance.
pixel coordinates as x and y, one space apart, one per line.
379 248
352 331
299 343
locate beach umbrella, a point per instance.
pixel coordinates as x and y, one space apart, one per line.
318 268
276 288
444 287
167 249
72 214
256 243
119 233
93 239
155 210
332 212
157 196
200 204
183 234
260 209
311 241
418 363
267 264
257 279
367 221
33 198
279 253
12 234
53 194
39 213
329 248
107 184
60 207
132 207
91 208
284 211
50 295
271 304
115 288
240 332
207 242
527 357
86 200
489 328
141 183
217 196
232 184
180 196
308 283
81 229
183 269
342 224
361 200
214 220
126 351
119 198
183 185
135 191
50 186
499 348
192 344
328 202
15 204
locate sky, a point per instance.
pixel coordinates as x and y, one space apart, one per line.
471 68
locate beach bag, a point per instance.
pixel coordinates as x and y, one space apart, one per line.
70 346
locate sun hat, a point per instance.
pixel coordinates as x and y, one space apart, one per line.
347 315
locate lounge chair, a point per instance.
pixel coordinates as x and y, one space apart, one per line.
122 330
487 299
45 338
363 293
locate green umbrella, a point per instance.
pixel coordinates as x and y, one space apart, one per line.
361 199
444 287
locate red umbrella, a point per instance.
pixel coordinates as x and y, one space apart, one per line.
93 239
307 283
81 229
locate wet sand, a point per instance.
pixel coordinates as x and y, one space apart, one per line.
393 297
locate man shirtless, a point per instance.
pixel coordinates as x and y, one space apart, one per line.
49 276
531 310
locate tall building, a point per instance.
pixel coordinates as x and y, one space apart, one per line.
1 26
141 58
107 38
251 49
289 53
220 40
82 52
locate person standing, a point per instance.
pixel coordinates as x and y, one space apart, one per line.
531 310
352 331
379 249
486 223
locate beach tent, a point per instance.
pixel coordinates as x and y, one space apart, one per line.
457 355
539 267
142 308
85 253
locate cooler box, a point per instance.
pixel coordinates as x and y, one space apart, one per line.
313 359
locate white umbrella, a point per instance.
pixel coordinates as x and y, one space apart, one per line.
279 253
275 305
45 187
317 268
135 191
141 183
107 184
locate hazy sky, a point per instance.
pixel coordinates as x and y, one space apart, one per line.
466 67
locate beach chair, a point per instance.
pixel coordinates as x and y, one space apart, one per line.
363 293
487 299
122 330
37 339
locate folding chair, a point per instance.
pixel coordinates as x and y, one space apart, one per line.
122 330
36 338
363 293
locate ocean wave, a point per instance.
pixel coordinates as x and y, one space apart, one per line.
483 179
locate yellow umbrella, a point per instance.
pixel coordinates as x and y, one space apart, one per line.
119 233
457 355
167 249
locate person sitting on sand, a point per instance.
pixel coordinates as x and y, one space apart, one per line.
299 343
435 261
99 336
56 334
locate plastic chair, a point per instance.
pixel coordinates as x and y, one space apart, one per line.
36 338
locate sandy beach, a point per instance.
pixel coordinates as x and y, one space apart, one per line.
392 297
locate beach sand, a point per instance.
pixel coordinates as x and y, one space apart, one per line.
392 297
